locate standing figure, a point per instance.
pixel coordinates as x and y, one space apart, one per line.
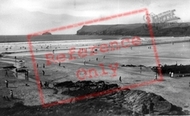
16 72
156 75
7 83
43 72
120 79
96 59
11 94
172 74
44 66
6 73
15 58
26 75
140 69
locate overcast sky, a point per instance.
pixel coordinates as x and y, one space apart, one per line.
28 16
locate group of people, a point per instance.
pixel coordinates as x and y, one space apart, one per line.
171 74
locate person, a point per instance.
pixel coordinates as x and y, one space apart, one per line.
11 94
172 74
156 75
96 59
15 58
43 65
43 72
6 74
59 64
26 75
120 79
16 73
151 107
53 51
144 109
7 83
140 69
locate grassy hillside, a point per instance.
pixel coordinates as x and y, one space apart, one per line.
140 29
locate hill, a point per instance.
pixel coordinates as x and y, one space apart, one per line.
139 29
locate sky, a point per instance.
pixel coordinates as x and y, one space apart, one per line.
21 17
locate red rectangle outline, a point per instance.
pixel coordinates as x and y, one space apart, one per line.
96 94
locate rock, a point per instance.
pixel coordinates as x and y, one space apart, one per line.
127 99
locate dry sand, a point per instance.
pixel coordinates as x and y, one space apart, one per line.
174 90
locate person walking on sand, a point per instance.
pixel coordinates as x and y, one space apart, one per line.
11 94
15 58
26 75
84 62
120 79
156 75
6 83
140 69
43 65
96 59
172 74
43 72
6 73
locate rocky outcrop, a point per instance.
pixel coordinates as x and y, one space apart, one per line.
131 100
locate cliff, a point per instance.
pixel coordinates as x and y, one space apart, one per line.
140 29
